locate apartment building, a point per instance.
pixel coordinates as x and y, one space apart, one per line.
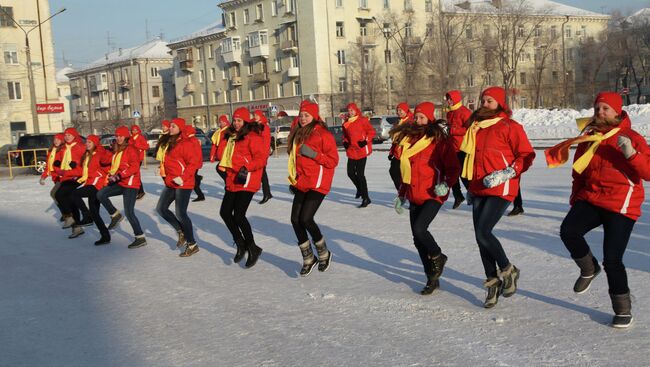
128 86
64 94
16 116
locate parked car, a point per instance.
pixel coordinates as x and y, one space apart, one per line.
4 150
152 140
33 141
206 146
382 125
281 134
337 131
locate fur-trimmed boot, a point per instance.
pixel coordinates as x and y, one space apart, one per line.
622 305
509 277
309 261
181 239
324 255
438 263
589 269
493 286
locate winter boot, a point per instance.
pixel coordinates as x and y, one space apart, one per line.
265 198
309 261
105 239
86 222
589 269
516 211
181 239
324 255
254 253
493 286
622 306
438 265
364 203
457 201
138 242
509 277
241 250
116 218
77 231
358 194
190 249
68 222
199 198
432 284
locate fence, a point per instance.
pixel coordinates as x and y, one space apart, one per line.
37 159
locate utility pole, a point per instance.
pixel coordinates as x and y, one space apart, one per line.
564 95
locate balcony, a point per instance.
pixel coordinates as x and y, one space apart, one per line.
125 84
101 105
75 91
259 51
289 46
187 65
235 81
97 84
261 77
126 101
232 56
367 41
189 88
293 72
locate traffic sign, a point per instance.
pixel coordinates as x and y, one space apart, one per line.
136 114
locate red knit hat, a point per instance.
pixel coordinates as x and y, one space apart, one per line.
613 99
454 96
189 131
427 109
499 95
123 131
354 107
242 113
404 107
94 139
135 129
166 123
179 122
261 117
59 136
311 108
72 131
224 118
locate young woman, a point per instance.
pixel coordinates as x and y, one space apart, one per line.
243 160
266 138
218 144
54 155
609 166
163 141
428 167
140 143
69 170
124 179
357 140
312 159
95 164
497 153
457 117
189 133
405 117
178 168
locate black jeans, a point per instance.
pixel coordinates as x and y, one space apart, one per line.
128 198
395 173
617 228
304 208
180 221
197 186
456 188
221 173
90 192
68 207
486 212
233 212
519 201
421 217
356 172
266 188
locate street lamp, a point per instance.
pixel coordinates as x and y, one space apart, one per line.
30 73
386 32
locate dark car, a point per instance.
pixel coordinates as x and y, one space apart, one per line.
337 131
206 146
36 158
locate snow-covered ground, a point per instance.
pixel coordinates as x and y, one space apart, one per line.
68 303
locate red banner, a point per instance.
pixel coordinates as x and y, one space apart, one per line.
49 108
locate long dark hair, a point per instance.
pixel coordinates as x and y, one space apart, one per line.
300 133
172 140
432 129
483 113
255 127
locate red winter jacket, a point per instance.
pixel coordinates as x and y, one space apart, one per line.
78 149
183 160
457 122
356 131
435 164
98 167
57 157
395 150
317 174
250 153
497 147
610 181
129 168
140 143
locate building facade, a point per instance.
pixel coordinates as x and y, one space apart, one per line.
16 116
125 87
65 96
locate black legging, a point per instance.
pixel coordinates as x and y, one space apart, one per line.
395 173
221 173
519 202
266 188
617 228
456 188
180 221
64 198
90 192
356 172
421 217
304 207
233 211
197 185
486 212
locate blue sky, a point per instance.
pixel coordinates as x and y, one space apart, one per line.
82 31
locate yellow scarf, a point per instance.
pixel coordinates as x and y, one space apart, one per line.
351 120
401 121
84 175
50 160
115 163
216 137
456 106
160 156
67 156
559 154
226 159
409 151
469 145
292 166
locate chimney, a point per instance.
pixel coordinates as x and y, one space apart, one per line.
497 4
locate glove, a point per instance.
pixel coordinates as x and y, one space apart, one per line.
398 202
625 144
114 179
178 181
441 189
57 163
226 137
308 151
41 181
293 189
242 176
496 178
362 143
390 157
346 145
73 164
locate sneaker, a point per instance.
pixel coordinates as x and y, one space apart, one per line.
190 250
76 231
509 283
68 222
516 211
138 242
493 286
116 218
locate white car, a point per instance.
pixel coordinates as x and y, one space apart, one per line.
382 125
281 134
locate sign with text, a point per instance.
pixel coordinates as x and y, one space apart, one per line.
49 108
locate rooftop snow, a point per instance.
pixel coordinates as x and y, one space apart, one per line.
539 7
154 49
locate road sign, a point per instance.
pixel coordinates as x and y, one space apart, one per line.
136 114
274 110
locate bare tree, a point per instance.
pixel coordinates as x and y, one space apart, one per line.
364 72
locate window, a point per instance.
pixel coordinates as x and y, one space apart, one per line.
522 57
470 80
388 57
554 55
232 20
5 19
538 31
520 30
486 30
583 31
523 102
251 94
363 4
265 91
569 54
201 76
340 55
470 56
488 79
428 6
553 31
202 99
224 75
226 97
294 61
366 58
432 81
522 78
468 33
14 91
556 76
429 31
277 65
259 13
11 56
247 17
408 30
363 29
274 8
191 99
339 29
210 52
567 31
213 74
280 90
296 88
343 85
289 6
391 83
154 73
250 68
339 3
155 91
408 5
386 4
